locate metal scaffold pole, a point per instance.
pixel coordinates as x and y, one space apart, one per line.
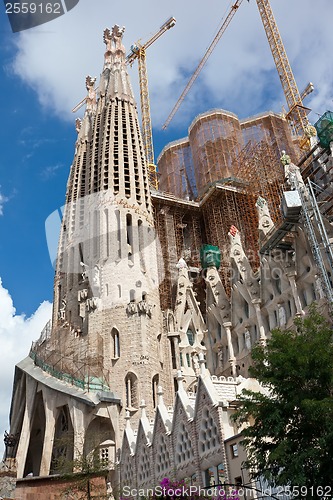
319 241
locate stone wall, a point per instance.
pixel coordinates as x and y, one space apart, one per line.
186 440
56 488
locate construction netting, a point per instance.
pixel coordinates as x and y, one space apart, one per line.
213 150
216 140
272 129
324 127
210 256
176 170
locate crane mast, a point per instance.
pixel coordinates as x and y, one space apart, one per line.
297 114
147 135
138 52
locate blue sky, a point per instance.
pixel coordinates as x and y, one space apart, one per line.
42 77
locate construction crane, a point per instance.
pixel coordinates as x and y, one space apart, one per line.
203 61
297 113
138 52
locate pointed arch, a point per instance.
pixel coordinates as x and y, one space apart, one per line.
99 441
36 442
63 446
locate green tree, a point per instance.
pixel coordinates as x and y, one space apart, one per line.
290 441
79 471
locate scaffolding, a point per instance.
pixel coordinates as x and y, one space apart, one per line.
215 150
180 232
60 357
184 226
271 128
315 227
224 206
263 175
216 140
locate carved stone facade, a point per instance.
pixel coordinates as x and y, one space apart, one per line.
150 345
186 440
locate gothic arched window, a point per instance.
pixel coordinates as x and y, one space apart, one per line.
154 386
132 391
116 343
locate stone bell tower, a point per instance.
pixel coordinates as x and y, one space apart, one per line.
106 307
106 350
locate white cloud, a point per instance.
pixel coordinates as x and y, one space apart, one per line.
3 200
50 171
16 335
240 75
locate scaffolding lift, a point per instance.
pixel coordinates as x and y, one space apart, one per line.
306 212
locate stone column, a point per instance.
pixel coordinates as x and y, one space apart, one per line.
292 281
79 433
23 446
262 335
50 422
232 360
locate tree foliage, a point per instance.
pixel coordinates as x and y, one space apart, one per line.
79 471
291 440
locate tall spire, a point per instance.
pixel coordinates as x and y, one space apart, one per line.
107 279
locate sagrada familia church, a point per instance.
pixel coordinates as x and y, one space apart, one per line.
160 294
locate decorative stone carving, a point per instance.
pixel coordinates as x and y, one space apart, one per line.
96 280
145 308
132 308
92 304
265 221
62 310
181 264
85 271
247 340
282 315
82 295
242 263
78 124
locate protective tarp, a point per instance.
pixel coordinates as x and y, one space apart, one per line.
210 256
324 127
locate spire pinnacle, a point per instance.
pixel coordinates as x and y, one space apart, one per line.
114 79
160 395
115 50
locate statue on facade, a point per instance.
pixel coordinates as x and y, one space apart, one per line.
285 159
91 97
85 271
181 264
282 315
78 124
247 340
